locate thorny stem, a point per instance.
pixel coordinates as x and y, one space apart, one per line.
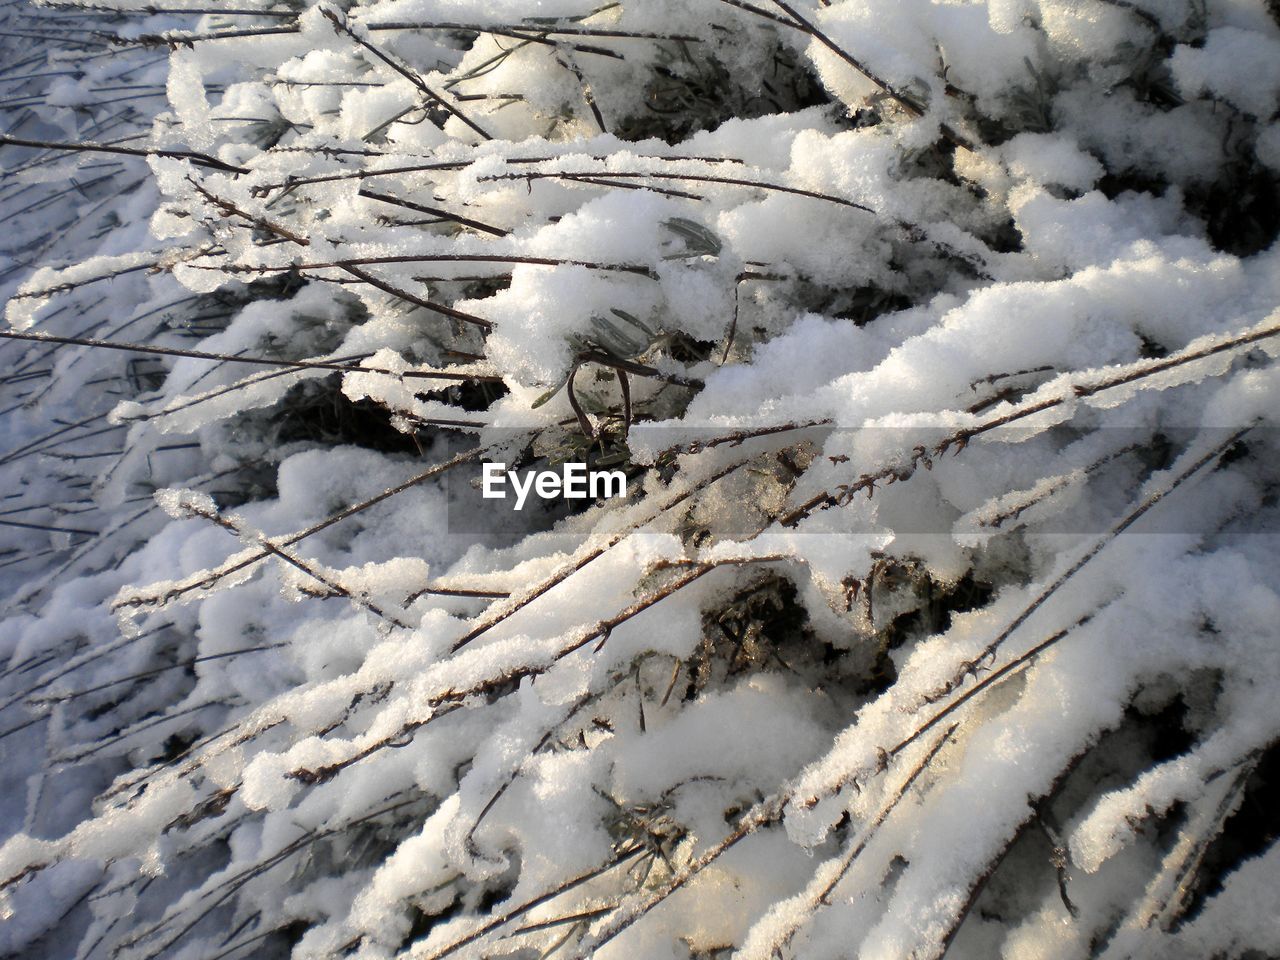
1021 506
738 437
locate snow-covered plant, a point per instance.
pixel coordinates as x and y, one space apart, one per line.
936 339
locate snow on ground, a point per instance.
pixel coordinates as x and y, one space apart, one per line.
937 340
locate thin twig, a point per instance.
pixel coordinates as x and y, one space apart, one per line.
358 272
339 25
200 159
959 439
685 177
242 358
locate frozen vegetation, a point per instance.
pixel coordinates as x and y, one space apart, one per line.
937 341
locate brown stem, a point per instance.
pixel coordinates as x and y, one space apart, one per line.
142 675
359 273
512 913
236 529
819 898
434 212
200 159
451 699
763 813
438 258
446 165
492 620
808 27
1040 599
240 358
211 577
685 177
921 456
799 22
584 422
340 26
543 31
639 369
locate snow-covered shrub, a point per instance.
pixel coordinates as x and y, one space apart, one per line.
937 341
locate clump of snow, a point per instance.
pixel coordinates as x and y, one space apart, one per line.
936 343
1239 66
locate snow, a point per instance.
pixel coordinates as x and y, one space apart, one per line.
943 372
1239 66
